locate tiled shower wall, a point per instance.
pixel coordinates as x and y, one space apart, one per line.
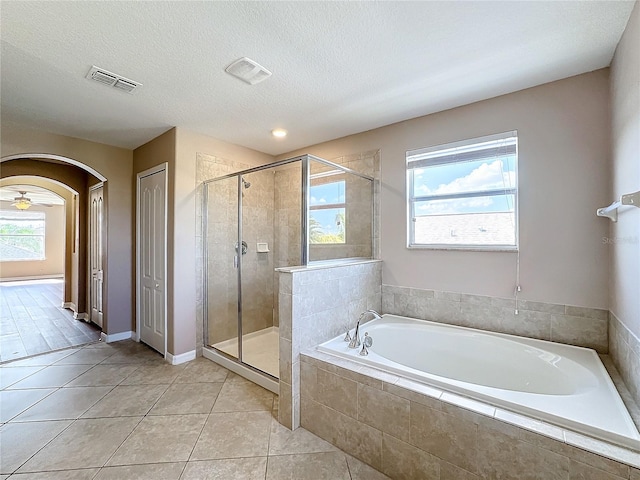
288 207
359 214
221 237
624 348
585 327
316 304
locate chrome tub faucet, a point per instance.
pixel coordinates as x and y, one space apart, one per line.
355 341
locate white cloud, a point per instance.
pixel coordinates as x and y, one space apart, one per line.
487 176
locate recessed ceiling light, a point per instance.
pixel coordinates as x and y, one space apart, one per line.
279 132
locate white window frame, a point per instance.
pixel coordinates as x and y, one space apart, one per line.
44 238
460 152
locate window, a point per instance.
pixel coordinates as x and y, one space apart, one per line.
327 211
464 194
21 235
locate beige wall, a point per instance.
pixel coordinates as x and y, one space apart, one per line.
53 264
563 134
625 234
115 164
160 150
188 144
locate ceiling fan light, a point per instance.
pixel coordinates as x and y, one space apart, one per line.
23 204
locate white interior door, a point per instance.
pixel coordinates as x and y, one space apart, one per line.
152 248
96 257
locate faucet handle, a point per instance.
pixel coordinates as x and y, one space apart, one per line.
367 341
347 337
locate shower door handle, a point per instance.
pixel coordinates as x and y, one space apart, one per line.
235 261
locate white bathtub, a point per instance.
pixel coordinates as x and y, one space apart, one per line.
564 385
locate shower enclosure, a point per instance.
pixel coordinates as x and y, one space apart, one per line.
297 212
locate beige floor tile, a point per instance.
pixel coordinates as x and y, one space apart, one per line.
86 357
361 471
25 439
154 374
202 370
253 468
13 402
52 376
233 435
134 358
42 360
103 375
309 466
11 375
84 474
85 444
64 404
126 401
160 439
187 398
243 395
150 471
284 441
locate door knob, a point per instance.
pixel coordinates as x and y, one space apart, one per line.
157 285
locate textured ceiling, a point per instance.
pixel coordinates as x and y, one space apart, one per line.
338 67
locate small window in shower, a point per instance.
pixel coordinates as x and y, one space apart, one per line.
327 211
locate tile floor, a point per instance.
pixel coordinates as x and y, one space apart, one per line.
32 320
118 411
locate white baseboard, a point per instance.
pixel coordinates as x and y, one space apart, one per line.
33 277
115 337
76 315
81 316
181 358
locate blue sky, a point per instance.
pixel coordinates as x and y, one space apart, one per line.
327 193
466 177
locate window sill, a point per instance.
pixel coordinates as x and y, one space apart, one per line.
467 248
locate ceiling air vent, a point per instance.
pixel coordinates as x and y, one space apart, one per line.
114 80
248 71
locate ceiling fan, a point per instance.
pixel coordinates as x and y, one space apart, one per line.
24 203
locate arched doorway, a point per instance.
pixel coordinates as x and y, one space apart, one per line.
75 185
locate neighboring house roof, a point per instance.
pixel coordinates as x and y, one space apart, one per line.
11 252
465 229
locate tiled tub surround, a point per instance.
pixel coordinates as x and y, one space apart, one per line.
584 327
556 383
316 304
624 350
411 431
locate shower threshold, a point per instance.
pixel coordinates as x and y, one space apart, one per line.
259 349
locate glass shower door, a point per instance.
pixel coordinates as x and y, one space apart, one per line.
259 336
222 291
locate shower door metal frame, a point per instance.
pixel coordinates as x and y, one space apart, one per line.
304 236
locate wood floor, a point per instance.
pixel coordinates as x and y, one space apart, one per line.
32 320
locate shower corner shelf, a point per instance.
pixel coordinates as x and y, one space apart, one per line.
611 212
